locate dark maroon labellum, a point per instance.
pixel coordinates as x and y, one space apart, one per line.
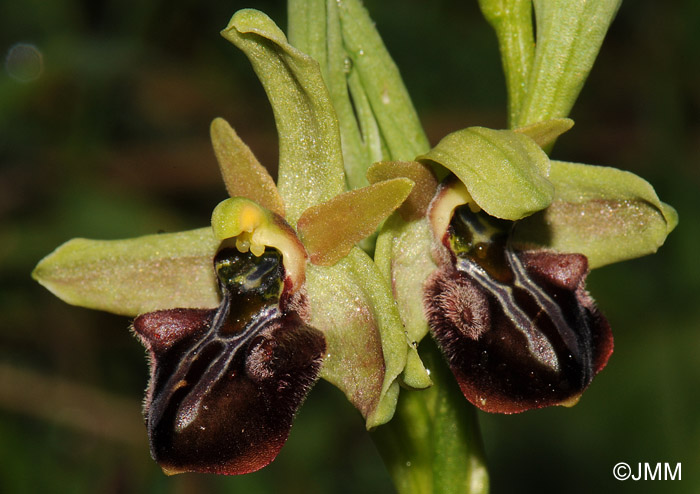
517 327
226 383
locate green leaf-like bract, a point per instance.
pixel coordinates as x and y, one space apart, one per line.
381 84
569 36
375 113
512 21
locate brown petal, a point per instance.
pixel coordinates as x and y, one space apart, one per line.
330 229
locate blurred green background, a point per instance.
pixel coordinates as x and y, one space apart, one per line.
110 140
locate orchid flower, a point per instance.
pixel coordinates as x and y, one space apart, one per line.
238 317
482 241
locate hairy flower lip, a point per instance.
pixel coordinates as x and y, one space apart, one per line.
226 383
499 315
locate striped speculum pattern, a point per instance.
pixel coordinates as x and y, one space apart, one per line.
226 383
518 328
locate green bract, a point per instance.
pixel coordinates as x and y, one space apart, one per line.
569 36
544 78
376 116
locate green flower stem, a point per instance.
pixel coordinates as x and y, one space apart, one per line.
433 445
512 21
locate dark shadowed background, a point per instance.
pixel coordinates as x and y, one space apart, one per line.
108 138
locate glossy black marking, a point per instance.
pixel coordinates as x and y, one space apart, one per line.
226 383
529 335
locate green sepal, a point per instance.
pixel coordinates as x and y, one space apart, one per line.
569 36
545 133
366 346
330 229
505 172
243 174
134 276
609 215
311 161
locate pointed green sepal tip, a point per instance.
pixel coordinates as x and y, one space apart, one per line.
254 21
415 375
504 172
670 215
330 229
254 228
